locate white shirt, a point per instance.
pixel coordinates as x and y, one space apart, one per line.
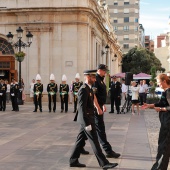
141 88
8 88
124 88
135 92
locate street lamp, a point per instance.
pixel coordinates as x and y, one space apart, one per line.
20 44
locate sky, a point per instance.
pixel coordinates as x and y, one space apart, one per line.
154 16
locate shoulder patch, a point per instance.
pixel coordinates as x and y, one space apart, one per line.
83 86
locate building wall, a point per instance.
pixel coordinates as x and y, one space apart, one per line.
69 37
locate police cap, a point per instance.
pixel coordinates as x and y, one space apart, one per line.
102 67
90 72
113 77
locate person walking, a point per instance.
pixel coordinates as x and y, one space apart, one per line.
76 86
100 100
163 107
38 89
64 90
85 116
52 93
115 97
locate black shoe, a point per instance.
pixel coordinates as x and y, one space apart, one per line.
109 166
84 152
13 110
49 110
111 112
74 111
54 111
113 155
61 111
34 111
4 110
17 110
40 110
118 112
77 165
65 111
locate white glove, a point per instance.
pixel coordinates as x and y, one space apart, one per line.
88 128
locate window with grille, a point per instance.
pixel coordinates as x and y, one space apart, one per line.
5 47
4 65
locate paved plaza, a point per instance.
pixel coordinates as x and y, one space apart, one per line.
44 141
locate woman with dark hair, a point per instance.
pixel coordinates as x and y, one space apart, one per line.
163 107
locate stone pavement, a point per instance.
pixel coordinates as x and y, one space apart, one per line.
44 141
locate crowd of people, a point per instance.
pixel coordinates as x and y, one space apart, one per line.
89 105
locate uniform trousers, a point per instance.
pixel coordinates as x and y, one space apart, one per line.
115 100
75 102
14 103
38 102
64 100
3 102
52 98
93 139
100 128
163 155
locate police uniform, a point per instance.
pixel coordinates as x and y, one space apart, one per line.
38 89
85 116
75 88
115 95
99 119
64 90
14 90
52 93
3 89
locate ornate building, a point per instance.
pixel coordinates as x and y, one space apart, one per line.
69 37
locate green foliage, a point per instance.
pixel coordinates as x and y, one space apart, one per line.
140 60
20 54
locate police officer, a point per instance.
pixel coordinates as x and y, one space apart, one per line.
38 89
75 88
64 90
3 89
14 90
52 93
85 116
115 97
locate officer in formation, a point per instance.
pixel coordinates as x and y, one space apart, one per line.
52 93
85 116
115 97
76 86
38 89
14 91
3 89
64 90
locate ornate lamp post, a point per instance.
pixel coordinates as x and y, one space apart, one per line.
20 55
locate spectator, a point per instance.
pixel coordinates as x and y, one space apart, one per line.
146 90
124 89
135 97
32 89
141 92
8 91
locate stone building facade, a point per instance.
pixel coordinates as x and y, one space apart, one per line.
69 36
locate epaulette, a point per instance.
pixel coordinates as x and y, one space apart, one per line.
83 86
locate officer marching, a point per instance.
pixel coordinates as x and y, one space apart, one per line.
64 89
75 88
38 89
3 89
52 93
14 90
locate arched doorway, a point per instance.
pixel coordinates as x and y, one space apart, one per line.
7 61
